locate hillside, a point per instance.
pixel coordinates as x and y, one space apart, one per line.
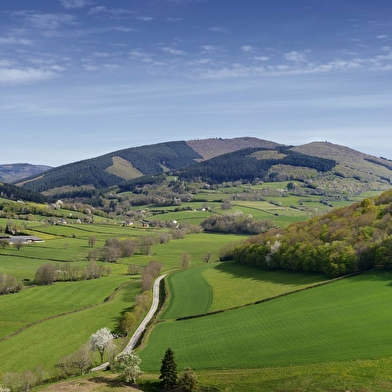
211 148
124 165
17 171
331 168
343 241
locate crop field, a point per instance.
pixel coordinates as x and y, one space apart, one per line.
250 284
345 320
47 342
37 303
189 292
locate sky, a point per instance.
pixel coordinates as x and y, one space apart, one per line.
81 78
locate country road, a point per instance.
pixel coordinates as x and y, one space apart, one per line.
136 336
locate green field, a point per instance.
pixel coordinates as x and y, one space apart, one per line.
346 320
336 330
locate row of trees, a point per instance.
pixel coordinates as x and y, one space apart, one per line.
236 223
49 273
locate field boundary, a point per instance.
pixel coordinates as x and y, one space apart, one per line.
269 298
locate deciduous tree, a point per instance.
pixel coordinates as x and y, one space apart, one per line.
127 363
100 340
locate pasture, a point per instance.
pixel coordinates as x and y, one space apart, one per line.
348 319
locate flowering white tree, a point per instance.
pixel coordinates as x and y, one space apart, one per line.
100 340
128 363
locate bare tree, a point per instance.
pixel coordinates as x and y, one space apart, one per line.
46 274
185 260
92 241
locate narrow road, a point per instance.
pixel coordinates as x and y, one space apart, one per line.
154 306
136 336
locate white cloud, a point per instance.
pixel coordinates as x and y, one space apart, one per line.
218 29
295 56
261 58
15 41
57 68
124 29
103 11
144 18
170 19
100 54
69 4
382 36
24 76
386 49
46 21
179 52
211 49
248 48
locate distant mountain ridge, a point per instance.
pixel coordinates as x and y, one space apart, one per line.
122 165
16 171
244 158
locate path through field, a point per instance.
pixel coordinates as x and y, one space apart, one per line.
136 336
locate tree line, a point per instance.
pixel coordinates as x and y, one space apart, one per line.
343 241
242 165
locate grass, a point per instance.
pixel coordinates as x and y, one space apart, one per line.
183 286
40 302
251 284
346 320
47 342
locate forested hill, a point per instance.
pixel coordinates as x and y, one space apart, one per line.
125 165
247 159
343 241
12 192
251 163
116 167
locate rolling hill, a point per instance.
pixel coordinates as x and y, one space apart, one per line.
17 171
321 164
123 165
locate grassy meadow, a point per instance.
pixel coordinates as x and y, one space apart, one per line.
339 331
348 319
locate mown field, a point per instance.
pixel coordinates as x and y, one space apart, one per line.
345 320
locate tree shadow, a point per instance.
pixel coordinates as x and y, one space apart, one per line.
285 277
115 383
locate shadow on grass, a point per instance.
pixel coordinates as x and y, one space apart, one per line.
117 383
292 278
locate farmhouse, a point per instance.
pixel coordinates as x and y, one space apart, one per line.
24 239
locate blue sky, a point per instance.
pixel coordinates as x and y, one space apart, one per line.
80 78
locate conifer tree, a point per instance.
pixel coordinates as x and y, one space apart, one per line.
169 370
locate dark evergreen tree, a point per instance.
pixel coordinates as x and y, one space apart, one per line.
169 370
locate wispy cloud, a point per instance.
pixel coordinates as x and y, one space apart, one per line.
11 76
295 56
124 29
212 49
70 4
261 58
218 29
383 36
45 21
15 41
174 51
104 12
170 19
248 48
144 18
